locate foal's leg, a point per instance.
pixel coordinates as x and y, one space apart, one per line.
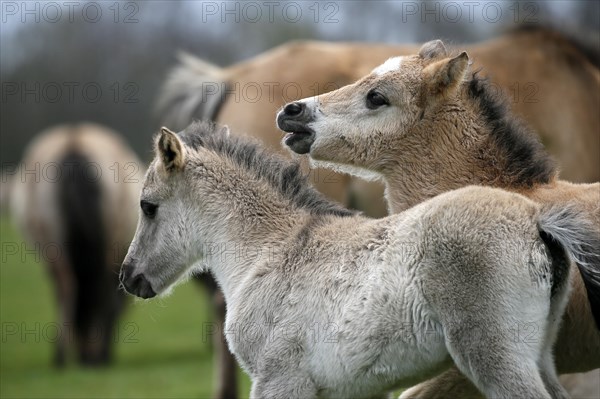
547 363
550 378
558 304
283 386
497 366
387 395
450 384
224 362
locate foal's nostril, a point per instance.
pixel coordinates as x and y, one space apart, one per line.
294 109
137 285
143 287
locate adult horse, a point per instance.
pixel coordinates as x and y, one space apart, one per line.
527 64
424 126
74 197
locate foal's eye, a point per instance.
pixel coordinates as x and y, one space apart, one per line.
148 208
375 99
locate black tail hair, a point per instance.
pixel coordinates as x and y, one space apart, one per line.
80 201
560 262
580 238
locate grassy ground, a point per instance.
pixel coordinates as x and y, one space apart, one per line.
159 351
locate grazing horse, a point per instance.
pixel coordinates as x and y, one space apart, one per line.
325 302
76 189
526 63
424 125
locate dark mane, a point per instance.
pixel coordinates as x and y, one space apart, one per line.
526 159
283 175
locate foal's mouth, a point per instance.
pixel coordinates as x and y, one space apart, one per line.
299 137
299 142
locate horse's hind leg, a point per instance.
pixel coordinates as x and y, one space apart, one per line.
114 307
550 378
283 386
450 384
498 367
65 296
547 365
558 303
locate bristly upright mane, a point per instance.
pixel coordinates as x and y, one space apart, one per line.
283 175
526 161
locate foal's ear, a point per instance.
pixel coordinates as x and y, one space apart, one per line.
443 77
170 150
224 130
433 49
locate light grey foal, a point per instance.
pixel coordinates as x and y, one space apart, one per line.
323 302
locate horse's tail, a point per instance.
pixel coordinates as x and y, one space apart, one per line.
194 89
80 205
566 230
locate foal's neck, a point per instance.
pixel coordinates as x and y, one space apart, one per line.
460 146
247 225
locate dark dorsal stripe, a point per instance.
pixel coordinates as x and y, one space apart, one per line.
286 177
525 160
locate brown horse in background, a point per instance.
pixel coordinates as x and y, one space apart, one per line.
526 64
76 190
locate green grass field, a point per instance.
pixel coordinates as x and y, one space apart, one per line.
159 351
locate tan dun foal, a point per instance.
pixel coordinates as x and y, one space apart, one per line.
424 125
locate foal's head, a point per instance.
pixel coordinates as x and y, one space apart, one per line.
205 186
415 117
174 196
352 125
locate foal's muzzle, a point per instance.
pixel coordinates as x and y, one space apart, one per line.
136 285
294 119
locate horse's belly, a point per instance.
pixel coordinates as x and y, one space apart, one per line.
362 369
406 365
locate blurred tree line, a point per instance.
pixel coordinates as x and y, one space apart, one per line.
107 69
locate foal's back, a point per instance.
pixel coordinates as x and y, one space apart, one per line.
407 287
